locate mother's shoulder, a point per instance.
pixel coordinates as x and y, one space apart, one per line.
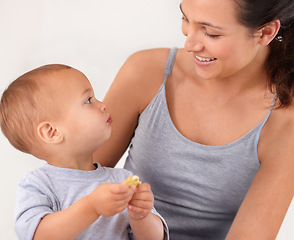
279 129
150 58
149 64
285 114
144 69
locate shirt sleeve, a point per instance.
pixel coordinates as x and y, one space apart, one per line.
32 204
166 231
165 227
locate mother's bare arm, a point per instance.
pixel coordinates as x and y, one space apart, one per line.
265 205
134 87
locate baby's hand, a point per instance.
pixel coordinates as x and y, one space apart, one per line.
141 203
109 199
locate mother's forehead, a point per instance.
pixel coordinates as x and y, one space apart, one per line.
220 13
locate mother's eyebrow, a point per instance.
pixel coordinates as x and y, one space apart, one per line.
203 23
210 25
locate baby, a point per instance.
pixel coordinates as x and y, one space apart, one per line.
51 112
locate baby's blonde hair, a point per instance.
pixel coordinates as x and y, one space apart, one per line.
22 107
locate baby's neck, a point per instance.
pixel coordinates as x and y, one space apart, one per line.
79 164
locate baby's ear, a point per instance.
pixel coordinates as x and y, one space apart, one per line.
48 133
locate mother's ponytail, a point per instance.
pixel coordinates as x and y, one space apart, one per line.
280 65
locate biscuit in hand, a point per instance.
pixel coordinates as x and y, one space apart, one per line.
132 181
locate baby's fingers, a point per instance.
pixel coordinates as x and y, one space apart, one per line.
121 192
143 193
142 204
144 187
137 212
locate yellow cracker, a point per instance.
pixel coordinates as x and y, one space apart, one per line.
132 181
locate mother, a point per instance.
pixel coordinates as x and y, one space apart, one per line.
211 126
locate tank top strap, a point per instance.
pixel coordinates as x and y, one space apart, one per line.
274 100
269 113
170 63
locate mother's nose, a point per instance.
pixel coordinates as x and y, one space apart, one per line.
194 40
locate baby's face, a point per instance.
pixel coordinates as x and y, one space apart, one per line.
85 122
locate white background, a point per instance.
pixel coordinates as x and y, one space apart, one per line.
93 36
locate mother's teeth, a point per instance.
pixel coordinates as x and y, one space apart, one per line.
204 59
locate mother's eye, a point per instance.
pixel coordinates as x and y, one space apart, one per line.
212 35
185 19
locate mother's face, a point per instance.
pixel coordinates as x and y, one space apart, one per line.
221 46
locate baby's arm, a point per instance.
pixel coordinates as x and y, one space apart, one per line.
144 224
107 200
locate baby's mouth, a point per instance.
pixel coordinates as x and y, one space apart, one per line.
109 120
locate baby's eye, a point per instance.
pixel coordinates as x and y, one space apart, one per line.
89 100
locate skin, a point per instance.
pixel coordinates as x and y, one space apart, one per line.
232 97
83 125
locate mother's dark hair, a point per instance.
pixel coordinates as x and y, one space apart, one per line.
280 65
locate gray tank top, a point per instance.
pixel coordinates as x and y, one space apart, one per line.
197 188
